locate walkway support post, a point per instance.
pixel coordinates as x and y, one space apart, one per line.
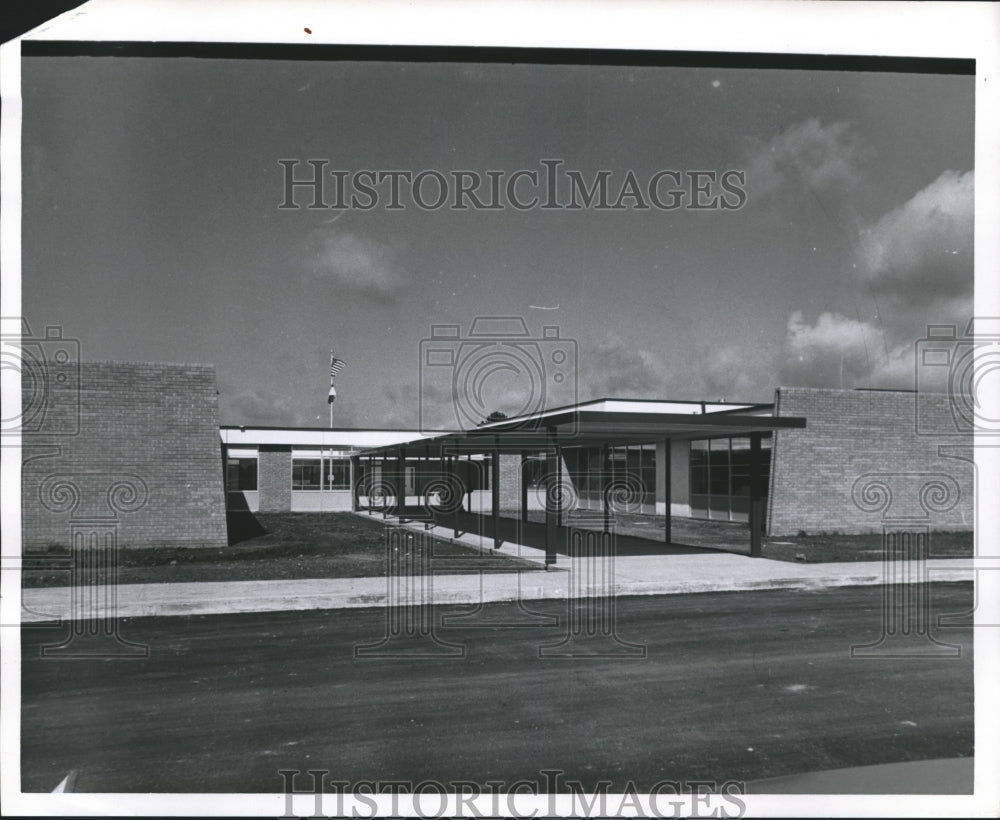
667 465
424 476
355 494
385 476
756 496
495 488
457 505
371 483
401 484
552 499
524 485
562 492
603 482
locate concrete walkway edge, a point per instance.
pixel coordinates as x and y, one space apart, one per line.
638 575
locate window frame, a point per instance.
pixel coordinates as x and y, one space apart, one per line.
302 462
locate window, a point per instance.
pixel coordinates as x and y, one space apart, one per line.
699 467
720 476
241 474
484 468
649 477
306 473
534 470
338 474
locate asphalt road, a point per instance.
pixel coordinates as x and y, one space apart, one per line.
738 686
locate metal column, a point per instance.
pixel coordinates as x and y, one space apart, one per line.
756 496
354 484
667 535
524 486
495 488
401 484
603 478
552 500
457 505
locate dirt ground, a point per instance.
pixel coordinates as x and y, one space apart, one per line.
817 548
732 686
275 546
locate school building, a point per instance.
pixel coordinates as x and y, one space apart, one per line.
137 449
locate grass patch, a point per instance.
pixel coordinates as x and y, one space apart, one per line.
836 547
291 546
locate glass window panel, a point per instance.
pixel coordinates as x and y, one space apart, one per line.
739 485
718 473
699 479
634 461
739 478
698 461
718 507
338 474
306 473
248 474
699 505
241 474
534 468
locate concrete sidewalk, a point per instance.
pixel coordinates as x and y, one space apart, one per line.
632 575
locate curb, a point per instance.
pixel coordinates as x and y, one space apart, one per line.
221 598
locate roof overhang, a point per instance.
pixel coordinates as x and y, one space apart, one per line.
588 428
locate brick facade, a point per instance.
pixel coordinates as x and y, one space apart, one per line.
855 439
139 452
274 478
511 475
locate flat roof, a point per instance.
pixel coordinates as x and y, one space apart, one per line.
600 421
587 426
319 437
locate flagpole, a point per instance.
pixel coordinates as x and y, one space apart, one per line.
336 365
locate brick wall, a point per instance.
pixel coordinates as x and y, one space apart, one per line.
144 457
274 478
867 435
510 481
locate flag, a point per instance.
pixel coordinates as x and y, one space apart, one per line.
336 365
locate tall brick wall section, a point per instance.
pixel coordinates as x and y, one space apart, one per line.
510 481
854 433
146 458
274 478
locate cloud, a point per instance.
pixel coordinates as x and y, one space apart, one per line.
744 373
257 407
915 262
613 368
358 264
809 155
922 250
616 369
838 351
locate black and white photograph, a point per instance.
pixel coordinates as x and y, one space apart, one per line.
500 409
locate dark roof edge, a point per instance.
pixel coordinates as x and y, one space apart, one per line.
245 427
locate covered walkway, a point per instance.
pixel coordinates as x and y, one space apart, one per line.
509 530
455 469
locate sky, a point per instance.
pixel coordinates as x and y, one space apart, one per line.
152 230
